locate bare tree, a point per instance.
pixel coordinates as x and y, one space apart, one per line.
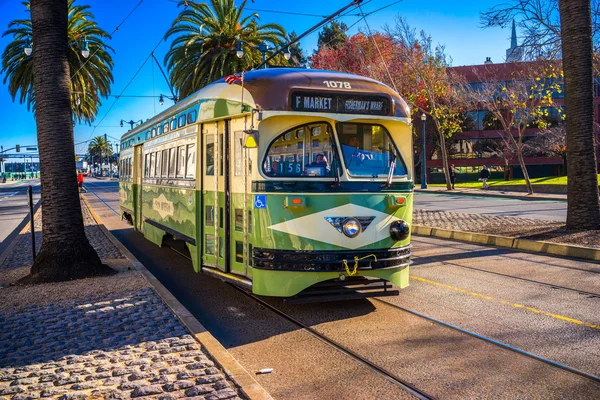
551 142
539 23
517 104
427 83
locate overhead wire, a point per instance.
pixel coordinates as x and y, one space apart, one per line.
128 83
378 50
112 33
363 16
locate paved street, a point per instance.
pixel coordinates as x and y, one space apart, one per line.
14 207
543 209
544 305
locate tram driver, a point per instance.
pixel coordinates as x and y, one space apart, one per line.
319 167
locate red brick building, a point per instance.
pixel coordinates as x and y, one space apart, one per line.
467 148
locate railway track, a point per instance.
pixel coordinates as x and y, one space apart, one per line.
339 347
91 191
390 375
591 377
551 285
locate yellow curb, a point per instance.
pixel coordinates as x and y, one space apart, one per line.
12 244
533 246
242 378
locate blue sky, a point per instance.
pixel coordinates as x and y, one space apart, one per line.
453 23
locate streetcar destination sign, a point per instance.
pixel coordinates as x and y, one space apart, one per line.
343 103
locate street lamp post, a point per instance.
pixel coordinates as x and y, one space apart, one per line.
423 154
85 50
132 122
263 47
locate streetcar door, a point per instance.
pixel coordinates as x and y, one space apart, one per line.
239 215
223 189
138 173
214 194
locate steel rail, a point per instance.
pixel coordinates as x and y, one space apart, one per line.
332 343
516 277
382 371
105 203
374 367
505 346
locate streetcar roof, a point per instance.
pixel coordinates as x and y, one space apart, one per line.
271 90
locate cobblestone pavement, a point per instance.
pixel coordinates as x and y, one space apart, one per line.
529 228
118 344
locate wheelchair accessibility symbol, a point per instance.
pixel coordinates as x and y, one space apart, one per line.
260 201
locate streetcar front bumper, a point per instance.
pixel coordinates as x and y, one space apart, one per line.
286 273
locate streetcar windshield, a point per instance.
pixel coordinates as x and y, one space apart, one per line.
304 151
368 150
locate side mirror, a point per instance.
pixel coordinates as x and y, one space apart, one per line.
251 139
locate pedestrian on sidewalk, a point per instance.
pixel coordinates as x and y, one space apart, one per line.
80 183
484 175
452 175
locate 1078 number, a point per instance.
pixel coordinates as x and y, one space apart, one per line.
337 84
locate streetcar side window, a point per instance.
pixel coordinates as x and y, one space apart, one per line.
180 162
146 165
191 162
210 156
172 162
305 152
158 164
173 124
181 121
152 164
165 163
191 117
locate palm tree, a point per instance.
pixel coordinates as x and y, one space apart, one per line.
66 253
100 148
583 210
91 78
204 48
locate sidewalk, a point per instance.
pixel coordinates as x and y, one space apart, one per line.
493 193
107 337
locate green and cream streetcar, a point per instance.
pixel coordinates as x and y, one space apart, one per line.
295 183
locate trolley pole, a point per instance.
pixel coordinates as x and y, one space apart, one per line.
31 221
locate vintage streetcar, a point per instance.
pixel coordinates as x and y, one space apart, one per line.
293 183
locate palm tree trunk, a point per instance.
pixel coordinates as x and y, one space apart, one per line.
65 253
583 210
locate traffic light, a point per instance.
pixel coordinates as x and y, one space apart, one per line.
18 148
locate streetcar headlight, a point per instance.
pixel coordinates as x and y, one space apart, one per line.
351 227
399 230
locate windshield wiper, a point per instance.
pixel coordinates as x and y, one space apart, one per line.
392 167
